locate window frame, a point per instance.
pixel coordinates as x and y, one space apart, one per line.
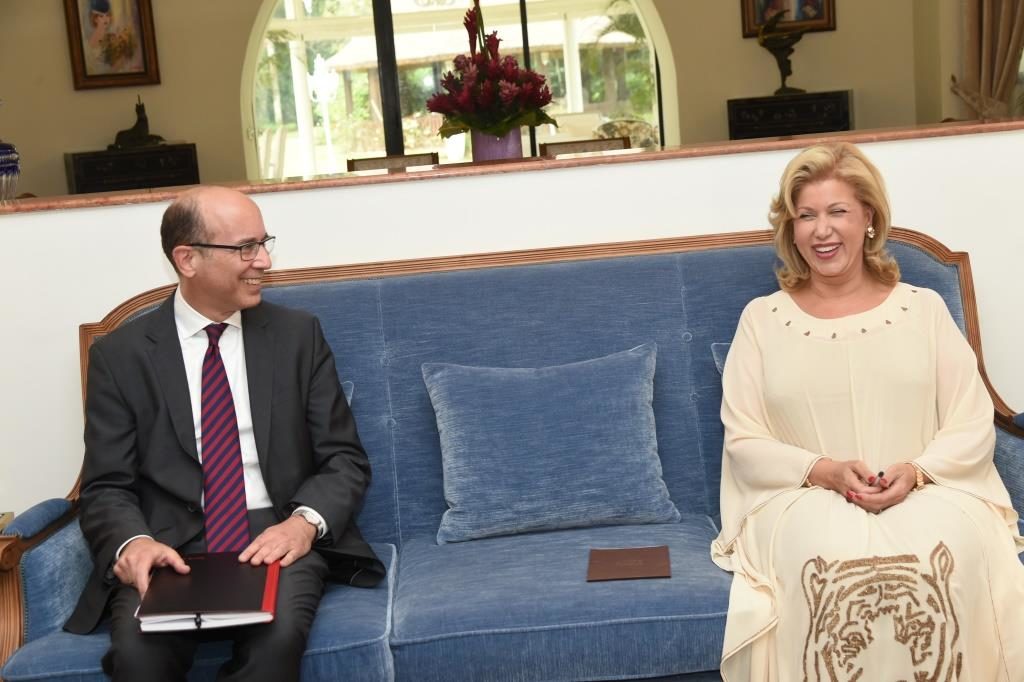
388 74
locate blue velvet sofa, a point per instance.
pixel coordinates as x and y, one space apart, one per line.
509 605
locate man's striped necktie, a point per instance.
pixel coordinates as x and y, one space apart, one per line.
227 522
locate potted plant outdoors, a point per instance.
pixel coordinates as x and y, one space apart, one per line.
489 95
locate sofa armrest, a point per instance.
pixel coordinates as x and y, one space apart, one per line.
1009 460
22 550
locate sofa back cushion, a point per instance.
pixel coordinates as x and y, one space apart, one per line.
383 330
535 316
350 318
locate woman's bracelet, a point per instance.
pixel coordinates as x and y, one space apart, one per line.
919 474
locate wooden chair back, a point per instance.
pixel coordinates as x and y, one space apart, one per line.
393 162
602 144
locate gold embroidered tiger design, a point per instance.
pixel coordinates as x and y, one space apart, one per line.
855 603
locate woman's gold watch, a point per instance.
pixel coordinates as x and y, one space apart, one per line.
920 476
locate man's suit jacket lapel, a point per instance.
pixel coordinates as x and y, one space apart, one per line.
259 366
170 370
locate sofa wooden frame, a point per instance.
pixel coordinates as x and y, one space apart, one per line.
13 547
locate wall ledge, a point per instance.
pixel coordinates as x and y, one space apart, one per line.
524 165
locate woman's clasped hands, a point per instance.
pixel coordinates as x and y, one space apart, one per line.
873 492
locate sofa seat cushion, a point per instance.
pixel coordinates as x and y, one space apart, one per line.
519 608
349 641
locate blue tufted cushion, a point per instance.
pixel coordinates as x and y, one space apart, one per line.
555 447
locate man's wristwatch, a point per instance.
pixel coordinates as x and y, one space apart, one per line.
310 518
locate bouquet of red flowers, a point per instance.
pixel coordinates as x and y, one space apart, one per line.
488 92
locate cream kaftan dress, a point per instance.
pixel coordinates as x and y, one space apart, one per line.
930 589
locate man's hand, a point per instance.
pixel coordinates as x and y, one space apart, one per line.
288 541
850 478
899 480
140 557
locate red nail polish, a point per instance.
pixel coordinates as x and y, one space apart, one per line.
871 480
883 481
849 494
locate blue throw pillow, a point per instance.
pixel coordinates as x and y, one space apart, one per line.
555 447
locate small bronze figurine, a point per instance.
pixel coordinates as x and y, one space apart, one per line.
138 135
780 44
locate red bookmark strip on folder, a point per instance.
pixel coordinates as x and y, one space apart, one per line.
270 588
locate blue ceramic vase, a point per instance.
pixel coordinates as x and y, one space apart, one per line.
9 171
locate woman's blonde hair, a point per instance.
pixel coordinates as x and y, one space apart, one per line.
840 161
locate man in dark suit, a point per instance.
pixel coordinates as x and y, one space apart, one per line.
148 495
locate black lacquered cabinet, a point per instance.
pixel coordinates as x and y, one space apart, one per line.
808 112
141 168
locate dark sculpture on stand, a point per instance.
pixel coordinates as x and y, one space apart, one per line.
138 135
780 44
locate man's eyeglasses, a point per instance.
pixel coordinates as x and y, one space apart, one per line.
247 251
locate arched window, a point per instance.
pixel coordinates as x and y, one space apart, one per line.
339 79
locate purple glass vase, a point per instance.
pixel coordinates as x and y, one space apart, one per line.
488 147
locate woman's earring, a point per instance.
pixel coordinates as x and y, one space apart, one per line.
871 231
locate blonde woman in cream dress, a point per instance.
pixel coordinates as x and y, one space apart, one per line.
869 535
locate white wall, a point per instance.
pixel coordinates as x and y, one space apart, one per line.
64 268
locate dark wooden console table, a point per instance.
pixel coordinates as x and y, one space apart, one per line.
808 112
140 168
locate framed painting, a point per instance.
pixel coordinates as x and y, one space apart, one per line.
809 15
112 43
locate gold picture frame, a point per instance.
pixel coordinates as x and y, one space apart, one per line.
810 15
